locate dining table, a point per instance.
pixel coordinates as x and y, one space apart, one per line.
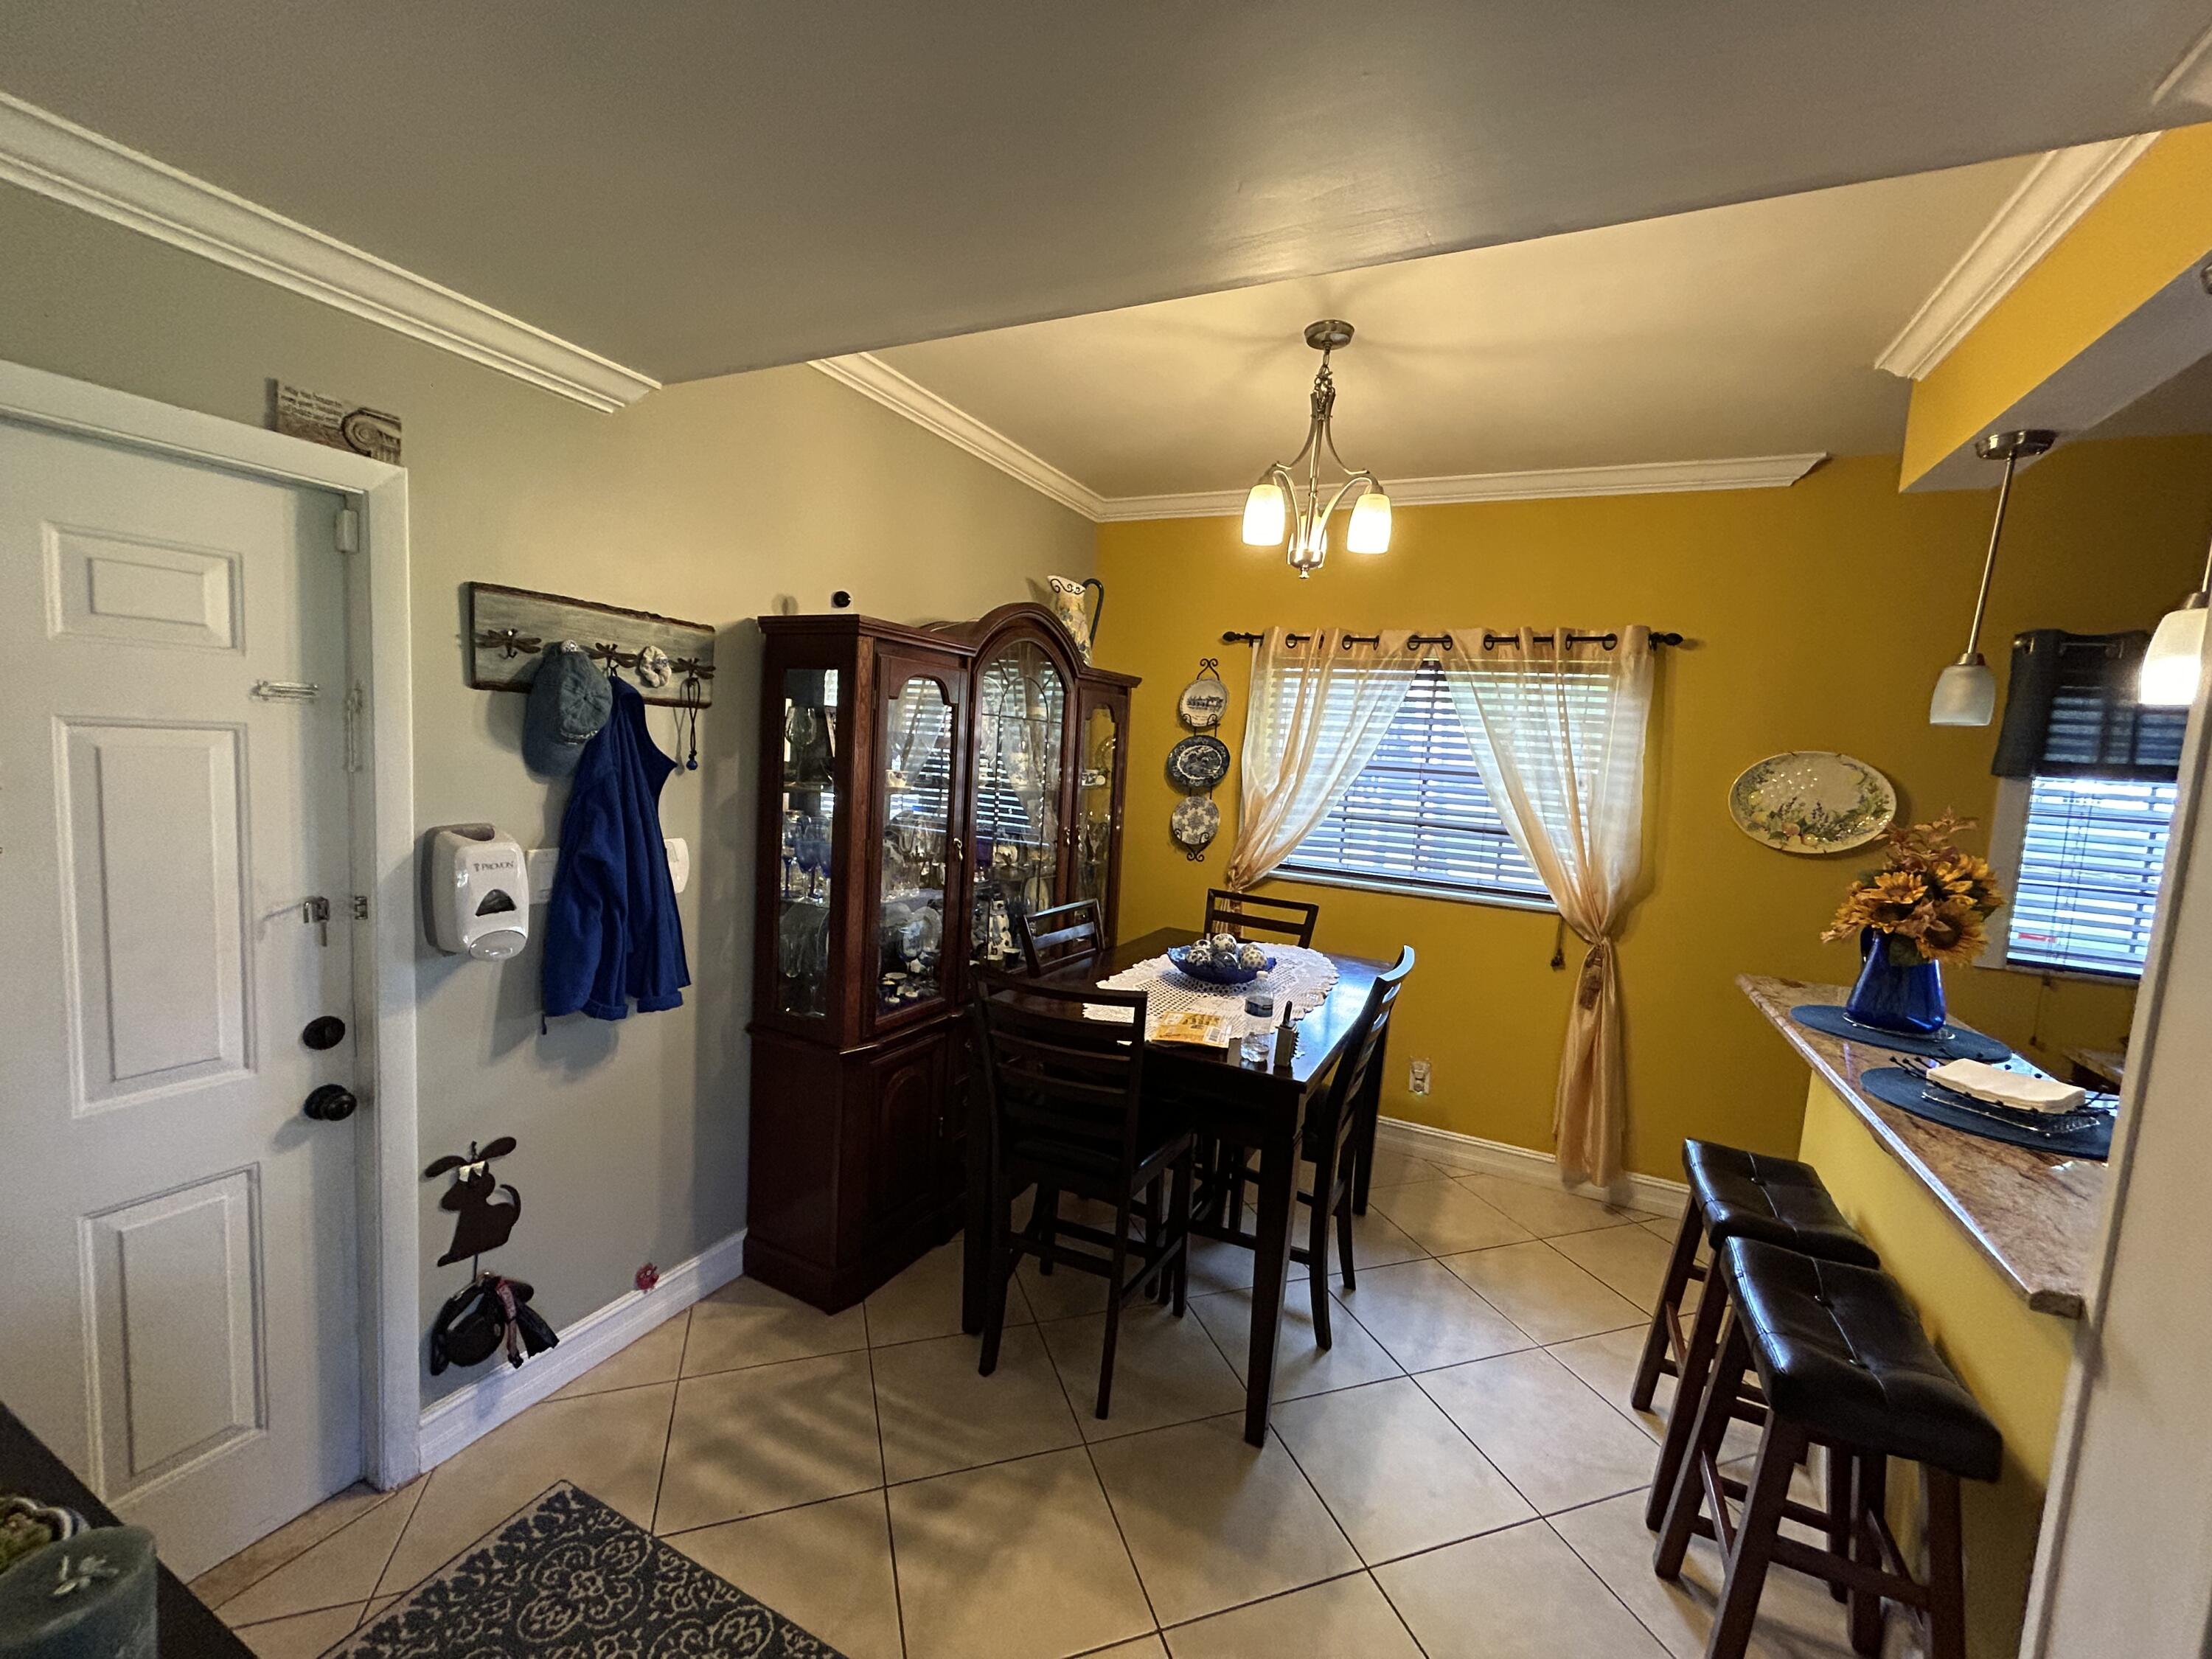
1255 1105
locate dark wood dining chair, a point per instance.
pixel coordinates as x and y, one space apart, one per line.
1066 1111
1061 937
1246 913
1332 1128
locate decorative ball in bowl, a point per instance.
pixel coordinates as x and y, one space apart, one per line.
1222 960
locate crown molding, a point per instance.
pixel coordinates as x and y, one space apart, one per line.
57 158
1639 479
2060 188
870 376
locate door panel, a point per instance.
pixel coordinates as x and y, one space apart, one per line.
155 862
176 1364
179 1308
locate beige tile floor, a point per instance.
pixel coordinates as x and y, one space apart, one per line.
1460 1474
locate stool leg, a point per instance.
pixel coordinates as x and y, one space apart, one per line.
1947 1583
1870 1500
1686 1494
1670 1304
1839 1509
1689 1387
1756 1531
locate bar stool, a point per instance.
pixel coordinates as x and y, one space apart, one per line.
1842 1363
1733 1194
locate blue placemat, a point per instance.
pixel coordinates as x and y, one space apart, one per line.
1910 1092
1951 1042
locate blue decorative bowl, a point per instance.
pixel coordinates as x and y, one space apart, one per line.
1215 973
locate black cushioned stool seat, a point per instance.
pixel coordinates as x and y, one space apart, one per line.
1734 1194
1839 1349
1776 1201
1843 1364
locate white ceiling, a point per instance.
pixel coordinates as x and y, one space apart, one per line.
1750 330
696 187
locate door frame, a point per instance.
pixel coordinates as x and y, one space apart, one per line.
383 817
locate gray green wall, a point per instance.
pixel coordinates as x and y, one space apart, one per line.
711 502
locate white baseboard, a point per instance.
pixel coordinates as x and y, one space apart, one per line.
504 1390
1473 1152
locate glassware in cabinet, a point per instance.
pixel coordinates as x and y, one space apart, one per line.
808 790
916 745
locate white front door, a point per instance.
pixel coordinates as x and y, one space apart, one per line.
178 1300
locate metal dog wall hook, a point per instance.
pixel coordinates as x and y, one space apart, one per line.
486 1221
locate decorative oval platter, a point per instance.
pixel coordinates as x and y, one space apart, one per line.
1812 800
1194 823
1198 762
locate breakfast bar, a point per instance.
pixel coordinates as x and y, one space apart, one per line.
1993 1244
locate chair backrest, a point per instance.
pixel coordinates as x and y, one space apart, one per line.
1060 1087
1246 913
1065 935
1357 1062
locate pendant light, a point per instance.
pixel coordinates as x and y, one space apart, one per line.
2170 666
1967 691
1274 514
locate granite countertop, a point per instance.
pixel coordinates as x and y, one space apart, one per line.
2034 1214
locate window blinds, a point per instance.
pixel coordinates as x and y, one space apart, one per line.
2087 889
1417 816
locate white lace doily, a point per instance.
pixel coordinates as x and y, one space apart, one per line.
1306 977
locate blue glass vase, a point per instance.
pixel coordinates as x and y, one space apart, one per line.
1892 994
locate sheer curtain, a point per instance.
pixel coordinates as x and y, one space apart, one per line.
1558 733
1316 712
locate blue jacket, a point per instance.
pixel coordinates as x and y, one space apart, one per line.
612 930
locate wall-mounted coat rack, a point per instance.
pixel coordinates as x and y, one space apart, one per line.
507 627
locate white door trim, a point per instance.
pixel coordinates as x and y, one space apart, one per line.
377 624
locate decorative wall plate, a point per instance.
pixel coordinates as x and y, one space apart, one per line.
1194 823
1812 800
1203 702
1198 762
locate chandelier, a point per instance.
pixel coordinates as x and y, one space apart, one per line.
1274 514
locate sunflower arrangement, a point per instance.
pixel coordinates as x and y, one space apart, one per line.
1930 898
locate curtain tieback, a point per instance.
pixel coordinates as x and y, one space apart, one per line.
1590 983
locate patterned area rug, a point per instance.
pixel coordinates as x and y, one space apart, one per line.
569 1579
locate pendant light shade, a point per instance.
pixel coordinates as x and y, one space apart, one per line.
1263 515
1369 531
1965 695
2169 667
1966 692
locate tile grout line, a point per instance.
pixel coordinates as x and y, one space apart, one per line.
1112 1514
399 1538
1591 1567
382 1499
884 1468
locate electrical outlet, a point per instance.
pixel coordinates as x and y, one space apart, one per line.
1417 1080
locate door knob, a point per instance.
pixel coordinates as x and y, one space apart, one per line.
331 1103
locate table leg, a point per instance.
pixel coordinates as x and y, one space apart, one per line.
1368 1113
1278 1198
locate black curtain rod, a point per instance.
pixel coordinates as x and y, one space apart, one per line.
1444 641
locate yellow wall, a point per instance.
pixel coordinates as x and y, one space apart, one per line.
2014 1360
2153 224
1818 616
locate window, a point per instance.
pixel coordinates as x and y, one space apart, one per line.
1418 817
2084 892
2082 816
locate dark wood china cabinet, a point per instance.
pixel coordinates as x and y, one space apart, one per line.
922 789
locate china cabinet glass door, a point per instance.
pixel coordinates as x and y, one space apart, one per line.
915 746
1094 804
1021 708
809 794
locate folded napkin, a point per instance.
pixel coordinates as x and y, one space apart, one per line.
1999 1087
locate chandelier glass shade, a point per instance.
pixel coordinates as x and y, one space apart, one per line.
1966 692
1275 513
